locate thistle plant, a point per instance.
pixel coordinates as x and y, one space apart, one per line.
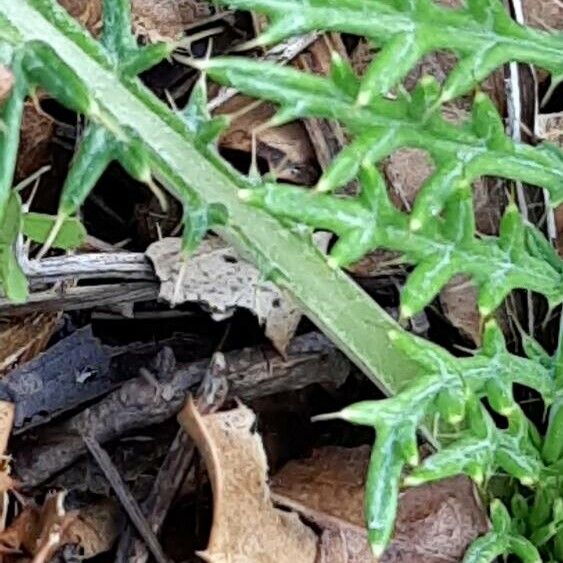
424 382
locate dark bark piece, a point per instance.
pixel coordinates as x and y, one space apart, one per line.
251 373
74 370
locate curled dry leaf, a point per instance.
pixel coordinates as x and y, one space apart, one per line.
246 526
219 280
6 82
435 522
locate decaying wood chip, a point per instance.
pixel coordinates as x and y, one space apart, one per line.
220 281
251 373
23 338
6 82
246 526
435 522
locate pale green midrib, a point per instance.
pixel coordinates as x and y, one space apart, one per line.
339 307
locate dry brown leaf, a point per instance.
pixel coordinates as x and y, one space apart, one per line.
459 303
246 526
39 531
546 14
154 19
37 132
435 522
219 280
96 527
6 82
167 19
286 149
23 338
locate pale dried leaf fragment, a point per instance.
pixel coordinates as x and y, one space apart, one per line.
220 281
246 526
435 522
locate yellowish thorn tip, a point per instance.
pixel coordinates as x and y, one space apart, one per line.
393 334
528 481
333 263
415 224
245 194
377 550
405 312
412 482
413 460
454 420
484 311
364 99
326 416
335 56
480 96
322 187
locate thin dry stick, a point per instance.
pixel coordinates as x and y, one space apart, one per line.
126 498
